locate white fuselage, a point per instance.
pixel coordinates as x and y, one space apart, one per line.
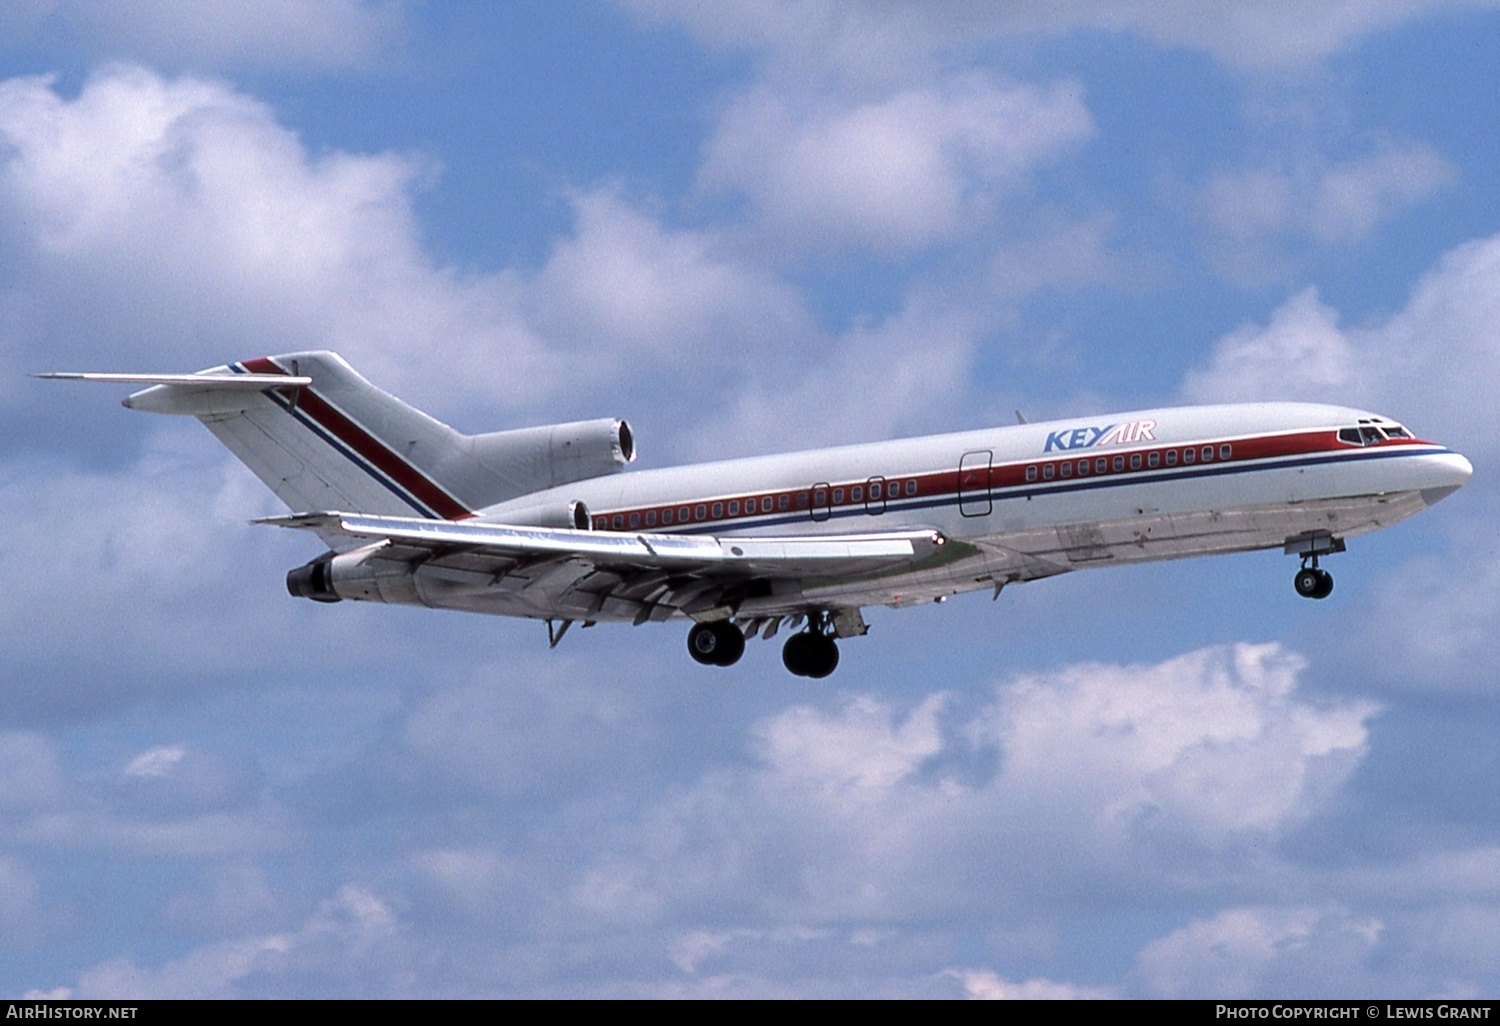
1033 500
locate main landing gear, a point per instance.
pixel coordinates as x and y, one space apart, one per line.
1312 582
812 652
719 643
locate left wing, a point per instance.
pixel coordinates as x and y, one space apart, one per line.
570 574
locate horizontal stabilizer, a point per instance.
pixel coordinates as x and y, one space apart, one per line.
194 395
252 382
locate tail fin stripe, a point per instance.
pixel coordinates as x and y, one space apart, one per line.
362 448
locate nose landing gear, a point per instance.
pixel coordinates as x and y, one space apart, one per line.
1312 582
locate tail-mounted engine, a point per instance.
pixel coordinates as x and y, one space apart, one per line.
530 460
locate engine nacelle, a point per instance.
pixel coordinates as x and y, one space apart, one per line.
359 574
530 460
569 515
313 581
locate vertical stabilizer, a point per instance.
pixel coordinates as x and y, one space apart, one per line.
340 443
330 441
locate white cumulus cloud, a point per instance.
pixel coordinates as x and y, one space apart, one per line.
892 174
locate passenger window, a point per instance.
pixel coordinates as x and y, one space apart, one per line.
857 494
1031 473
783 502
1119 463
838 496
1083 468
820 497
1135 461
718 510
700 512
911 488
1208 453
600 523
765 504
651 518
1101 465
1047 472
635 520
619 522
876 491
1189 455
1152 459
1224 452
734 508
801 500
666 516
1065 469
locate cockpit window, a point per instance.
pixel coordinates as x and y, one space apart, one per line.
1370 434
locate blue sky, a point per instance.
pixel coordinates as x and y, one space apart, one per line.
746 226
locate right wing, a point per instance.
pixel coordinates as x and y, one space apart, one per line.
569 574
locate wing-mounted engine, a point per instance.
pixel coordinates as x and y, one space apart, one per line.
529 460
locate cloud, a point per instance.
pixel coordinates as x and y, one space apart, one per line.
869 36
872 381
1206 746
1301 353
279 34
202 230
1251 212
351 943
200 225
983 985
1432 362
631 297
865 814
892 175
1309 951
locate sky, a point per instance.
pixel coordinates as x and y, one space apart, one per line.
749 227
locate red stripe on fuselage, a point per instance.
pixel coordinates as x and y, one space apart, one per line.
1009 475
367 446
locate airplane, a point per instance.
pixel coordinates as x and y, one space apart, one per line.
542 522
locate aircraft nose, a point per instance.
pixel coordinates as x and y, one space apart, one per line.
1449 471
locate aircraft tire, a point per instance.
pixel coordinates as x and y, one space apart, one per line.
1313 583
716 644
1325 585
731 644
825 656
796 654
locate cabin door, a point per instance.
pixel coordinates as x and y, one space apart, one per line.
974 484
